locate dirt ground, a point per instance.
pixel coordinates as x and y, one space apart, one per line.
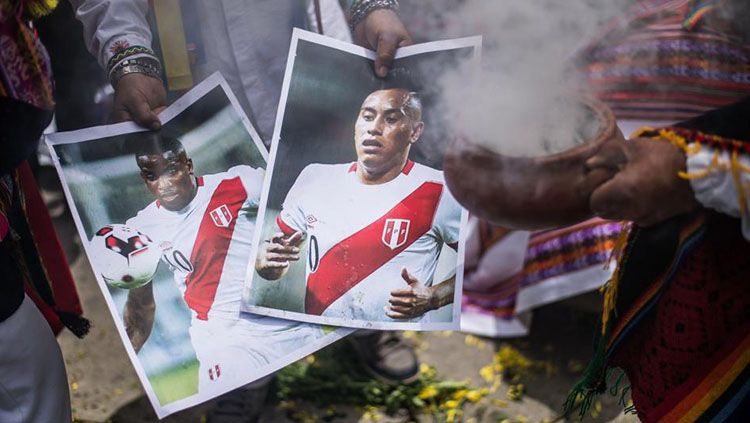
105 388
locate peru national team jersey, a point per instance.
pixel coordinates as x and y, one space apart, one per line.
207 243
360 236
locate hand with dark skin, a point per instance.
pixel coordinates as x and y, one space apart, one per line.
637 180
382 31
417 299
138 315
140 98
274 256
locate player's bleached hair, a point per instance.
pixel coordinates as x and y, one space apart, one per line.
156 143
413 106
406 80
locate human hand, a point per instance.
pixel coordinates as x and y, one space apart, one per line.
410 302
382 31
140 98
274 255
637 180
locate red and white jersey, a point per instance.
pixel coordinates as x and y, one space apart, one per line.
360 236
207 243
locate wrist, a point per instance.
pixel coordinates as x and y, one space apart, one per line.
136 59
360 9
433 302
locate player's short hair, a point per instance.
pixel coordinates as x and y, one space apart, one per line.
405 79
156 143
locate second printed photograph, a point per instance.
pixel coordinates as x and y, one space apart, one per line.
357 226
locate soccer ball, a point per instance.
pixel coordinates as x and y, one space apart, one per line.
125 257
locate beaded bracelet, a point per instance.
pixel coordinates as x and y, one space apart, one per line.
361 8
125 52
135 59
148 66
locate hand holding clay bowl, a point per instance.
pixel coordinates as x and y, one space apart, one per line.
529 192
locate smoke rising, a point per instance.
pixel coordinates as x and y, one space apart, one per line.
524 103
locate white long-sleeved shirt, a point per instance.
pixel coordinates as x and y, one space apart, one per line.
718 190
246 40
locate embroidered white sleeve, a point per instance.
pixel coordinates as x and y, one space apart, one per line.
108 23
717 190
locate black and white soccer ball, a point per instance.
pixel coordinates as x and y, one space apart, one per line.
126 258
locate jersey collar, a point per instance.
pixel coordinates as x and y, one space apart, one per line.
407 168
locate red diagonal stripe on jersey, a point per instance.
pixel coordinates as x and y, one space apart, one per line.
211 246
356 257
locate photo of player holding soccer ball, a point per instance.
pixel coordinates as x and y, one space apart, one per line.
170 218
358 227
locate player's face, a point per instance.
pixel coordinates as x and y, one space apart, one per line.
383 132
169 177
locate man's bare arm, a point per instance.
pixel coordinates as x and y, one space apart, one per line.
139 314
416 299
443 292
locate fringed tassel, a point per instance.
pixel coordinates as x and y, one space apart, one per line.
596 375
615 388
591 385
736 168
80 326
610 288
691 147
623 401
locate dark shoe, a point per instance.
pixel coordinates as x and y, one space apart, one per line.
243 405
386 356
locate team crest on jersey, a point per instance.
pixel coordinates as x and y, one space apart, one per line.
214 372
395 232
221 216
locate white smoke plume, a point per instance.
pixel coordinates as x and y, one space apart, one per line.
525 102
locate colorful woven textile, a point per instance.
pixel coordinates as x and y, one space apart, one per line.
687 354
25 72
681 325
567 261
666 61
557 264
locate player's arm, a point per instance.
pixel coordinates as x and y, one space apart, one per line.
417 299
276 253
138 315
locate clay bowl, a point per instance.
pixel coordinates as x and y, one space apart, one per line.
528 192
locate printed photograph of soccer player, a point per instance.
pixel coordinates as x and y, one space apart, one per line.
170 216
359 228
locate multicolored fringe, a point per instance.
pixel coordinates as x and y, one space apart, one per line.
691 142
627 316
